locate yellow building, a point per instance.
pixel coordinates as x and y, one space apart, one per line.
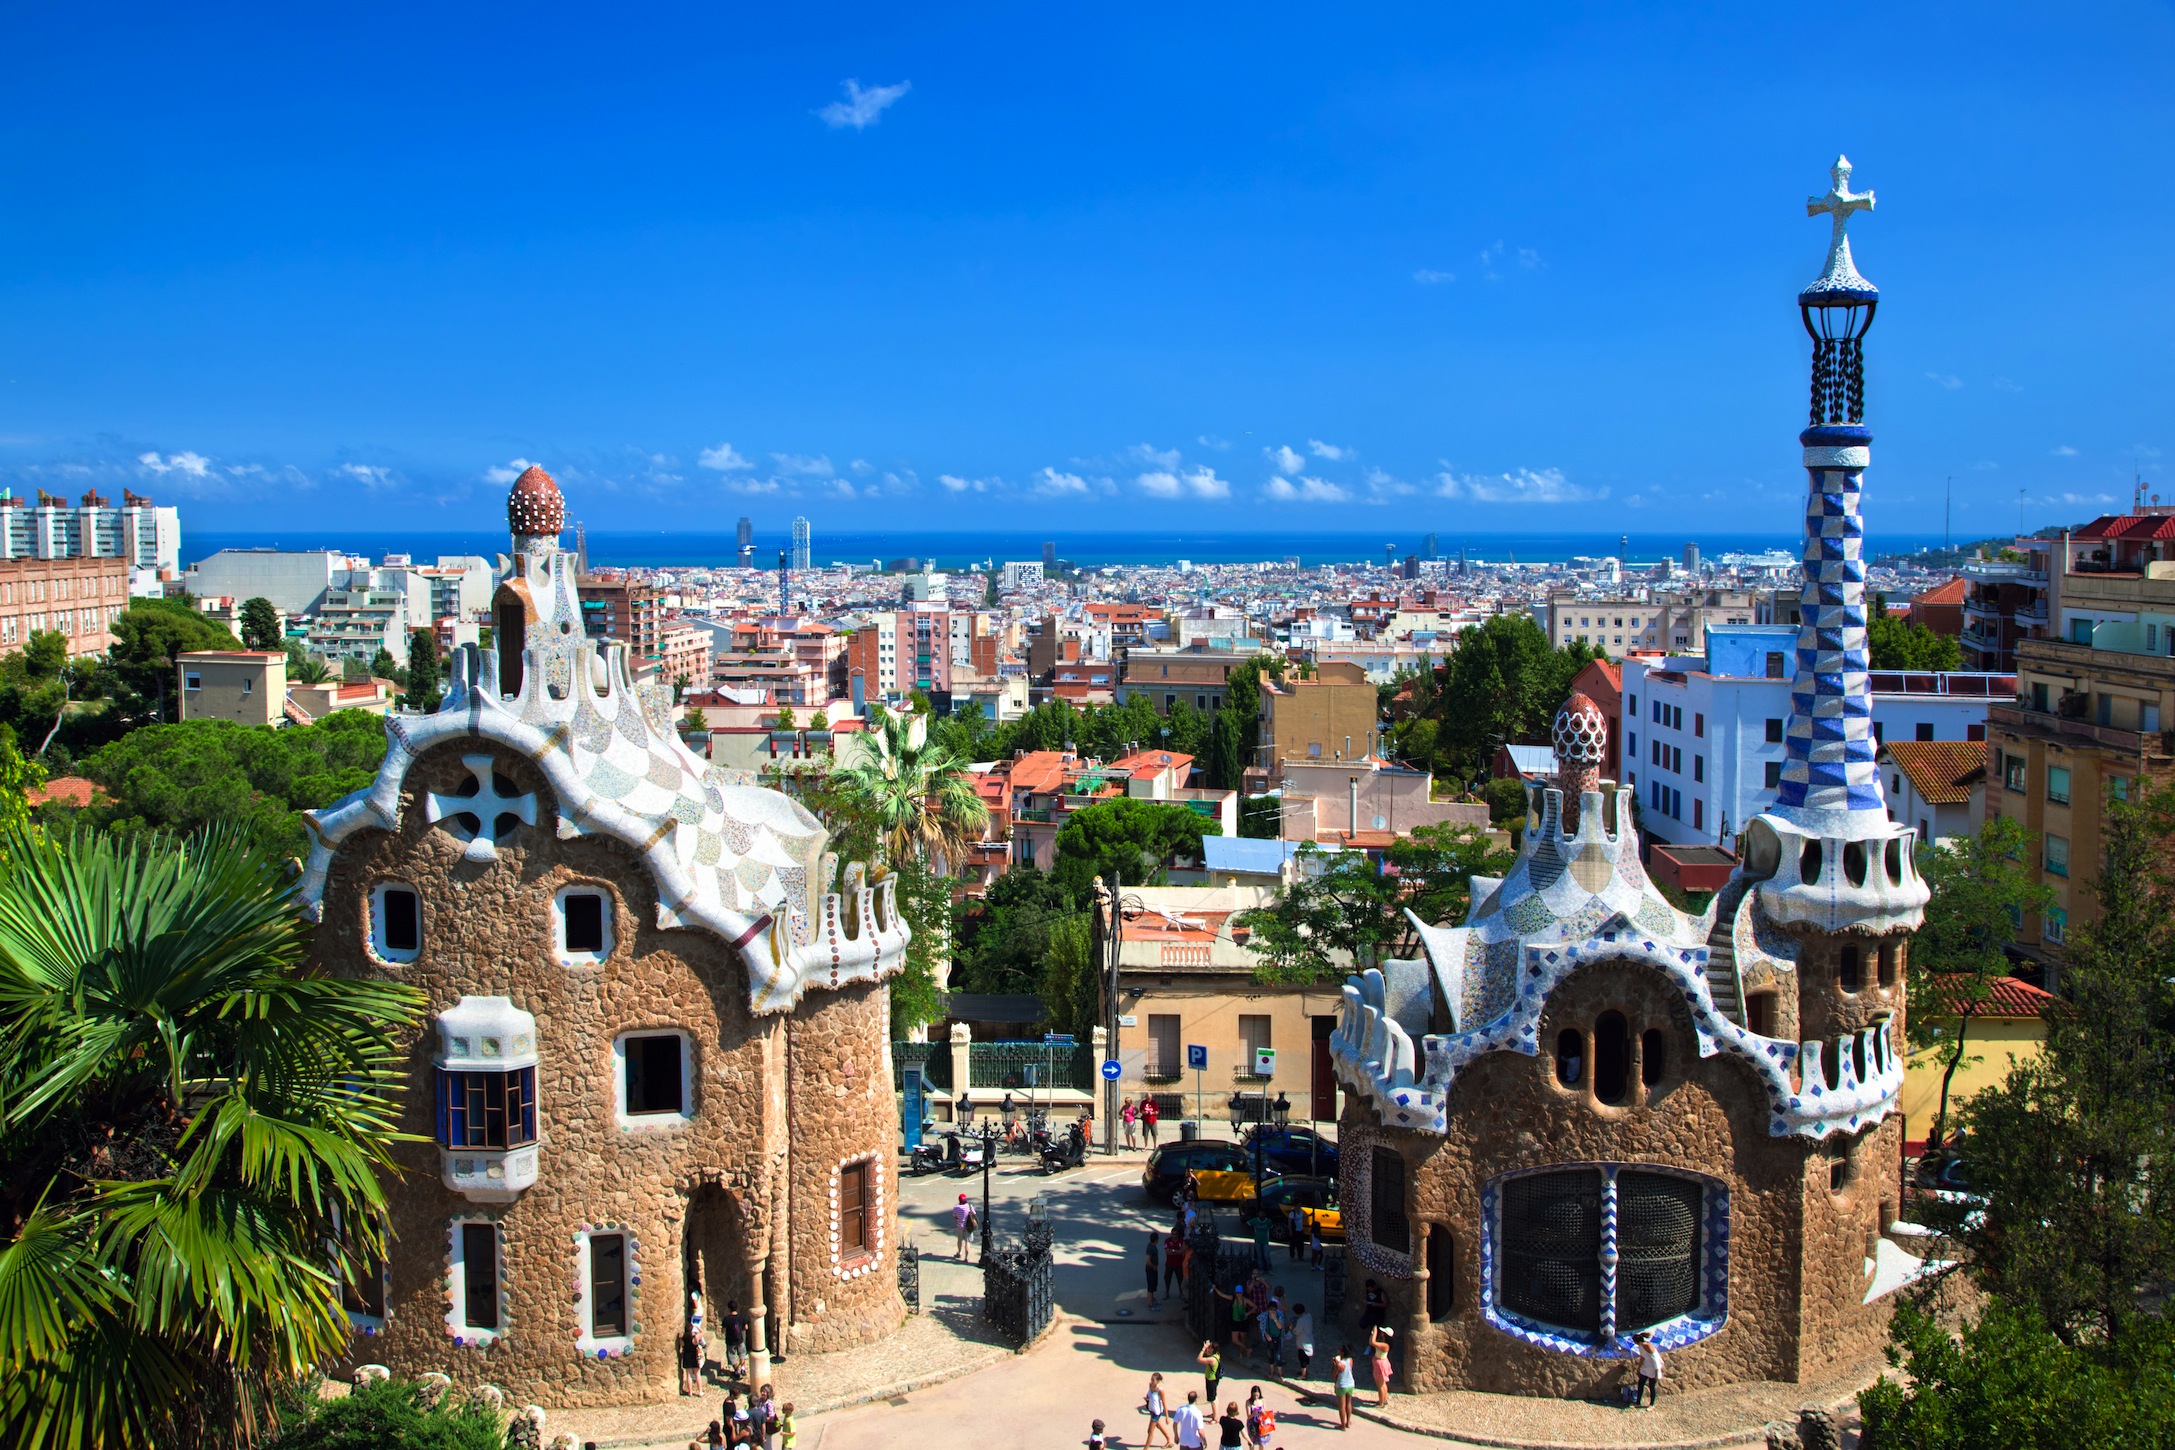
244 685
2008 1029
1334 716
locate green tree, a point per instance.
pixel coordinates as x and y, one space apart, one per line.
913 792
696 722
423 673
261 628
148 637
1068 985
45 654
189 776
392 1415
187 1110
821 720
1503 685
1005 937
786 719
2070 1150
384 667
1126 842
1981 893
2006 1383
1898 644
1345 912
1261 817
924 899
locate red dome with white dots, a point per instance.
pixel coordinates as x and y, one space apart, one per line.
1582 731
535 506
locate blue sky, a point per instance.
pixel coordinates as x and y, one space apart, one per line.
1262 266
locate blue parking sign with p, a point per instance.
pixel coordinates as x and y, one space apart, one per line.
1197 1056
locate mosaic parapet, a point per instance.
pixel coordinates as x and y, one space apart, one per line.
740 862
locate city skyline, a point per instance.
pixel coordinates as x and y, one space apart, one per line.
1448 272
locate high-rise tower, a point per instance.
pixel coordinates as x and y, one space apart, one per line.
801 550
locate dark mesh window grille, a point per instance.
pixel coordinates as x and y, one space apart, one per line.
1657 1244
1551 1248
1387 1225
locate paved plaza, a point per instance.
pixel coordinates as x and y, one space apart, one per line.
944 1379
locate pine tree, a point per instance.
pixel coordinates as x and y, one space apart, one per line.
423 691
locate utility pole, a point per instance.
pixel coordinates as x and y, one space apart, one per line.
1110 1016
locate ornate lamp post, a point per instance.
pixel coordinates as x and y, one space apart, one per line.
988 1136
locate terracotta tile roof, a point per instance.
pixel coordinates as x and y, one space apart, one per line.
1952 592
1148 762
1941 771
2009 997
67 790
2127 526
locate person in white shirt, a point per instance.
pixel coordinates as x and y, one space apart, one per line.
1186 1419
1649 1388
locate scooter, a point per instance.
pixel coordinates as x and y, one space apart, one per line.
926 1157
1069 1151
964 1154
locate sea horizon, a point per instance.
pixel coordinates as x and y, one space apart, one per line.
966 548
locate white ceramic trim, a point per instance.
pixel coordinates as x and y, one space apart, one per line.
874 1257
588 1343
464 1334
653 1122
558 924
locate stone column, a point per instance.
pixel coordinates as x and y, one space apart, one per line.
758 1322
1417 1323
961 1073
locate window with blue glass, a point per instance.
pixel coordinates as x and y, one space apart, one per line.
487 1109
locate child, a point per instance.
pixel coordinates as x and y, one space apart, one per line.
1095 1436
785 1426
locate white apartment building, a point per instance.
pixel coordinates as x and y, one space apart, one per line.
357 623
1664 623
1019 575
294 580
1704 735
147 536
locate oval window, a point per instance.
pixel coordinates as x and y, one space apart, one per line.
1612 1058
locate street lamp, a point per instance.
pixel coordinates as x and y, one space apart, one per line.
988 1135
1110 889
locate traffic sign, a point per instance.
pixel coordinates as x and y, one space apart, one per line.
1111 1069
1196 1057
1264 1062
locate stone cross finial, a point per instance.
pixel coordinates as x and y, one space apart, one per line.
480 812
1840 202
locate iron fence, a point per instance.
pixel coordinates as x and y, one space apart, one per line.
910 1277
1017 1285
1006 1064
933 1058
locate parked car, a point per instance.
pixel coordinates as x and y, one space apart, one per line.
1164 1177
1294 1150
1312 1195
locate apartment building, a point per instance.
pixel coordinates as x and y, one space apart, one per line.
2007 601
1704 738
1363 803
684 654
615 607
354 624
1661 623
77 597
294 580
1196 676
928 648
1333 716
138 533
1020 574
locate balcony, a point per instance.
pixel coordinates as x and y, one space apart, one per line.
1184 954
2048 724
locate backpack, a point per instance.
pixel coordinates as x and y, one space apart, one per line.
972 1221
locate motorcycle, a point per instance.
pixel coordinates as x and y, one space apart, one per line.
1069 1151
964 1154
925 1157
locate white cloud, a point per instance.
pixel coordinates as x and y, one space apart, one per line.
722 459
1058 485
862 108
1210 440
2075 499
367 475
1307 490
753 485
1381 482
1946 380
862 467
818 466
1198 482
507 473
1528 258
2007 385
953 483
1429 277
1287 460
195 465
2063 450
1329 451
1164 459
1524 485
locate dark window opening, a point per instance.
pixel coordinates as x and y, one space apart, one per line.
487 1109
1387 1225
654 1074
1857 1056
1809 863
512 637
403 920
1657 1233
1774 731
1551 1269
1848 972
1854 862
607 1285
853 1210
1838 1175
1924 731
479 1275
1888 964
1760 1013
1653 1055
1570 1054
1441 1266
1612 1058
584 921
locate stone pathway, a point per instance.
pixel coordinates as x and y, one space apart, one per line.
1725 1415
943 1342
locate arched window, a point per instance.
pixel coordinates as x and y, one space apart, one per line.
1441 1272
1848 972
1570 1057
1657 1232
1550 1230
1653 1055
1887 965
1612 1058
511 636
1386 1221
1551 1259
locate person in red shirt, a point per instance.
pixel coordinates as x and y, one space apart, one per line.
1174 1263
1147 1121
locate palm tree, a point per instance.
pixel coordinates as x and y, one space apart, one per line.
192 1128
912 793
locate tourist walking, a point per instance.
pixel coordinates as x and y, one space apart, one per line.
1297 1232
1150 1261
1159 1413
1147 1120
786 1428
735 1325
1186 1421
1273 1326
1261 1226
1233 1425
1649 1386
1096 1440
763 1416
1128 1115
1211 1361
1342 1364
1260 1421
1302 1337
1378 1344
962 1225
691 1360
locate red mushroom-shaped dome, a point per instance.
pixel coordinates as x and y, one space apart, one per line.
535 505
1581 733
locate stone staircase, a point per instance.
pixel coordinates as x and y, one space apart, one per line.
1722 963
